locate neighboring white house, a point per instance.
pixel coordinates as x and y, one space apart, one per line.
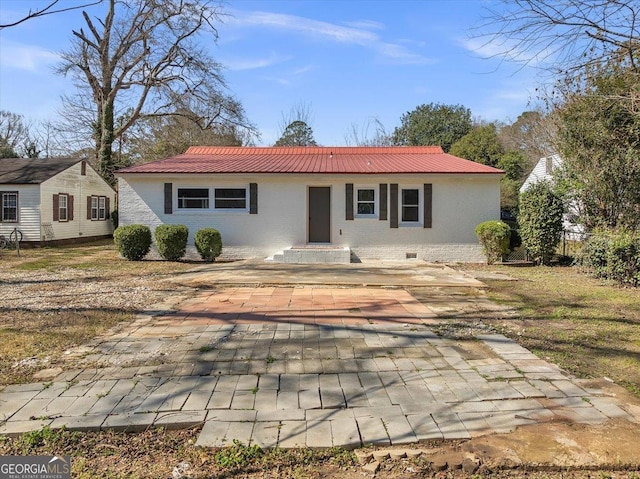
53 200
543 171
379 202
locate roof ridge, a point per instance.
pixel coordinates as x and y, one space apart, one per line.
298 150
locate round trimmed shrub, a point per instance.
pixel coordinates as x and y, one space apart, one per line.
133 241
208 243
171 241
494 237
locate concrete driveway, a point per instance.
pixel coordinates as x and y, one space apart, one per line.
381 273
306 362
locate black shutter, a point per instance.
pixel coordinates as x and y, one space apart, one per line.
107 208
428 205
88 207
168 198
393 206
253 198
349 201
383 202
70 207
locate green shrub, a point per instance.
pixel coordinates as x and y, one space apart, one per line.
540 221
208 243
171 241
133 241
613 255
623 258
494 237
593 256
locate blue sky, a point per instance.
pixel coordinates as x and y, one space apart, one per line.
348 61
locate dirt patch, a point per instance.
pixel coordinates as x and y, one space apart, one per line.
554 450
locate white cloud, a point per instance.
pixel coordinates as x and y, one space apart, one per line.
304 69
25 57
366 24
238 64
504 49
359 35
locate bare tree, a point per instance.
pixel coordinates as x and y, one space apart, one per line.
372 133
564 35
533 133
13 134
144 59
48 9
300 112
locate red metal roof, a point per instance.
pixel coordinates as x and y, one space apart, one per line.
326 160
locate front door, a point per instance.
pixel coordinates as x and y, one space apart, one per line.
319 214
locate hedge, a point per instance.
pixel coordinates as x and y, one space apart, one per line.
133 241
208 243
613 255
494 237
171 241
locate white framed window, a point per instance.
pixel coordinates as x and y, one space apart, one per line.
94 208
230 198
193 198
410 202
63 207
102 208
9 207
366 202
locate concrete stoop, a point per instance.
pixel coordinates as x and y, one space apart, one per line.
314 254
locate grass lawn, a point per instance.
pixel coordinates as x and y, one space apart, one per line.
52 299
587 327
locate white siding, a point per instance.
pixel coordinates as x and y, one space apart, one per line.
72 182
460 202
541 171
28 212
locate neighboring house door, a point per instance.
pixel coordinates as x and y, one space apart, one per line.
319 214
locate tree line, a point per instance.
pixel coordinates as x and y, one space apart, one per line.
146 89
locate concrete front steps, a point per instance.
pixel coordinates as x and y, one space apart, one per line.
313 254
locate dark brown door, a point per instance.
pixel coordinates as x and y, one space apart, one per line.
319 214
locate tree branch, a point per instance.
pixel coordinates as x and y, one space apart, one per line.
48 11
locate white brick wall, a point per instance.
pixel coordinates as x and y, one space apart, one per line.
460 202
443 253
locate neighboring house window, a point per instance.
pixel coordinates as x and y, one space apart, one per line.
365 201
410 205
9 203
230 198
102 208
63 207
97 208
63 202
94 208
193 198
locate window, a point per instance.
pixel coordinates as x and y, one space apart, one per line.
410 205
230 198
97 208
94 208
366 202
9 204
193 198
102 208
63 207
